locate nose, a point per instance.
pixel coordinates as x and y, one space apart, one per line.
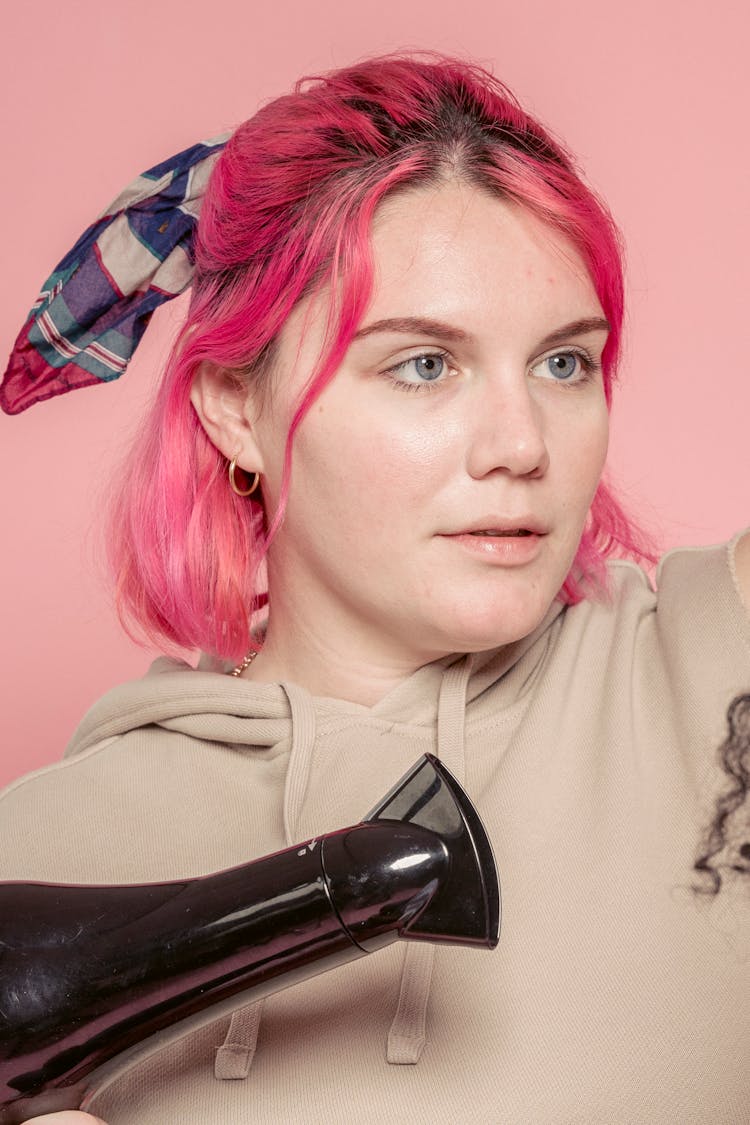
507 430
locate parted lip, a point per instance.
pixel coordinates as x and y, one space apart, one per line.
502 524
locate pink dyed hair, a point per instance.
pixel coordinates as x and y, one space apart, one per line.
288 211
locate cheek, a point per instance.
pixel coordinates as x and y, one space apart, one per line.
372 466
413 464
585 456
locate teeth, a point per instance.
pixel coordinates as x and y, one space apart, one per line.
495 534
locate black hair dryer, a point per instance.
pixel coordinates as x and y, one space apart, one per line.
94 977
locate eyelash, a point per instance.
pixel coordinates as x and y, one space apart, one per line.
589 366
419 387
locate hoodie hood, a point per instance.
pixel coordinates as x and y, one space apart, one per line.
207 704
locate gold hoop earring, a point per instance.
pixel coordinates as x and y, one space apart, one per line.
233 482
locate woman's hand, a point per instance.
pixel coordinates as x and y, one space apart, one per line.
67 1117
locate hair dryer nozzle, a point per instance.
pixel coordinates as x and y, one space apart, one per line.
465 907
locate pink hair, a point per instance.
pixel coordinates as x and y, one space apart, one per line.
288 211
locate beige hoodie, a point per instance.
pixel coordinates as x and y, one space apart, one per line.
615 995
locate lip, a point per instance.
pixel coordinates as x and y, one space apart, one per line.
498 550
495 522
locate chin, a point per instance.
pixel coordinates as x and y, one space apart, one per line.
493 626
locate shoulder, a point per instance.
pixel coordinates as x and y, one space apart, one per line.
678 639
151 787
701 599
679 644
707 585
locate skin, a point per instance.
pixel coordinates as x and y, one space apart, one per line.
68 1117
367 580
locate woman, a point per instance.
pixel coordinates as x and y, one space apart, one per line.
400 352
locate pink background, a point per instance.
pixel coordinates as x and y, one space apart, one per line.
652 96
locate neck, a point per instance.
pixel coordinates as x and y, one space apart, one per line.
358 672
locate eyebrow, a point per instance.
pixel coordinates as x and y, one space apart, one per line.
576 328
413 325
417 325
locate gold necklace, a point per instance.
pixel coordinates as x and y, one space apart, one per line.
245 663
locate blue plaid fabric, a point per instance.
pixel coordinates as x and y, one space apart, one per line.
93 310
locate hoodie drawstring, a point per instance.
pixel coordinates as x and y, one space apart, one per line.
300 758
407 1036
235 1056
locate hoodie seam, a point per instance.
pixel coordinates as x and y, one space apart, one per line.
740 621
386 726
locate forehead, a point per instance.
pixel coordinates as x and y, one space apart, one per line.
455 252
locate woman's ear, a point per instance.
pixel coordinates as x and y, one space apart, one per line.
224 408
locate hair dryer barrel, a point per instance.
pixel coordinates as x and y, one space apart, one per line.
93 977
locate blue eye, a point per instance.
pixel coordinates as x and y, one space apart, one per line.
429 367
420 369
565 367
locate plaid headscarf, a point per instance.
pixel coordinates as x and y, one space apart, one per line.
92 312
